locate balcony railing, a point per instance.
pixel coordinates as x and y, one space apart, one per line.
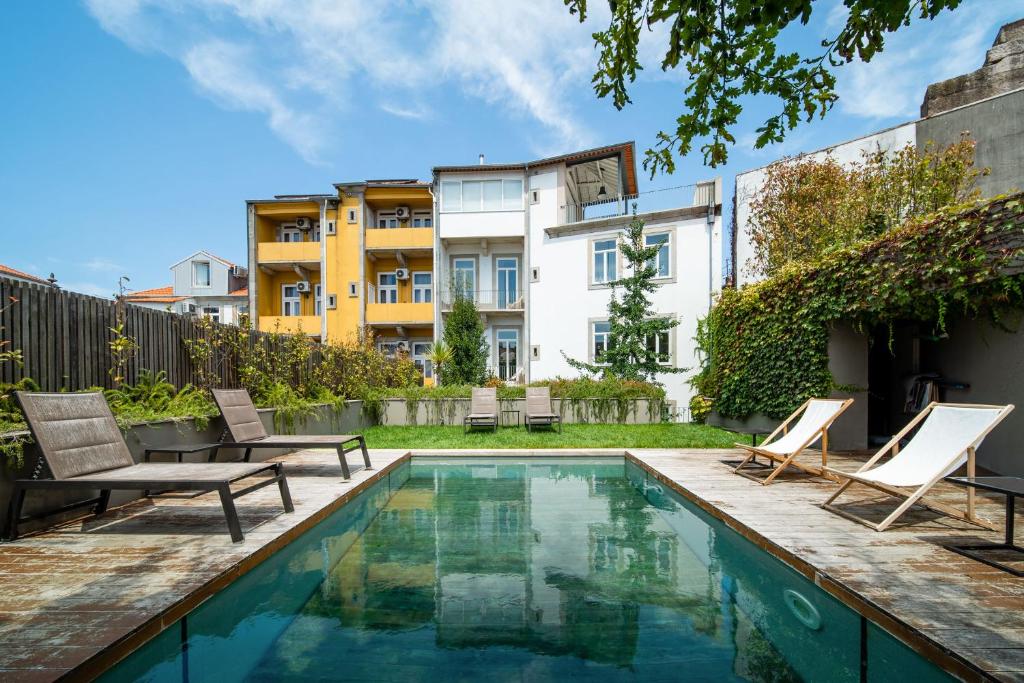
703 194
485 299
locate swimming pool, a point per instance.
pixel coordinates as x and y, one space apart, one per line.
522 569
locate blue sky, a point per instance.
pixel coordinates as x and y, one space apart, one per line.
133 131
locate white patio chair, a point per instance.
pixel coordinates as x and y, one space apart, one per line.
948 438
816 416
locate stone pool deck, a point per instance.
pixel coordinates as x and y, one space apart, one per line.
77 598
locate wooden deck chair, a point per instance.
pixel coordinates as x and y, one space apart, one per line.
949 435
816 416
483 409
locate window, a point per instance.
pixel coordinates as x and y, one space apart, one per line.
422 219
316 231
200 273
387 219
332 301
291 234
662 260
420 350
351 216
290 301
508 354
659 344
353 289
422 288
482 195
605 261
507 270
392 349
212 312
602 338
318 304
464 277
451 196
387 288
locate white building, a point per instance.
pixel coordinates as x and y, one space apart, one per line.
536 245
203 284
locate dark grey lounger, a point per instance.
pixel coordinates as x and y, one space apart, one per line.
246 431
78 437
538 409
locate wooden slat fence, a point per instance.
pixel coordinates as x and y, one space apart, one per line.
65 340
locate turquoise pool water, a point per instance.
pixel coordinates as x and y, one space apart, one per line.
522 570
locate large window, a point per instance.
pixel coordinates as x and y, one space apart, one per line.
290 301
508 354
387 219
422 288
659 343
482 195
464 277
601 335
662 261
291 234
387 288
605 261
200 273
420 350
422 219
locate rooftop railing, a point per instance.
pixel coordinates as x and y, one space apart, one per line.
703 194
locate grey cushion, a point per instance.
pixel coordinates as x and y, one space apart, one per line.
240 414
76 433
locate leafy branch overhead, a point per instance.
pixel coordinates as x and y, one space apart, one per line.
729 49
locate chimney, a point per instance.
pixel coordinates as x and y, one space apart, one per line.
481 159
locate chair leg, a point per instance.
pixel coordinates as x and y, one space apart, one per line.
228 503
750 456
104 501
248 452
366 453
282 484
344 463
838 493
778 470
14 512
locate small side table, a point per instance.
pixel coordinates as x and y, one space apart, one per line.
754 433
506 414
182 448
1011 487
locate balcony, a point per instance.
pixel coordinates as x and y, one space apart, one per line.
287 253
706 193
489 300
399 238
290 324
399 314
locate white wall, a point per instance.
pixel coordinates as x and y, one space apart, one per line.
563 302
182 274
749 182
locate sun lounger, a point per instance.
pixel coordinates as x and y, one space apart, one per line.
816 416
483 409
84 449
948 437
538 409
246 431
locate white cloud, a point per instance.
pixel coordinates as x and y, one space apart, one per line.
91 288
305 64
100 264
894 82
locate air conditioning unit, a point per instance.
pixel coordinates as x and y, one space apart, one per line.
303 287
303 223
402 273
402 213
188 309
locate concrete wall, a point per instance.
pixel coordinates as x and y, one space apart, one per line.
990 360
398 412
167 432
848 363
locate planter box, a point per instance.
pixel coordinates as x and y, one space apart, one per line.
451 411
165 432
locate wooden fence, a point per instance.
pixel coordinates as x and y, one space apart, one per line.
65 339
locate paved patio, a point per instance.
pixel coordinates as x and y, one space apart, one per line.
79 597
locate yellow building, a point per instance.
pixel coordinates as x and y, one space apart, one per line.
336 266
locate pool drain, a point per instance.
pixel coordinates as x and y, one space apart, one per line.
802 608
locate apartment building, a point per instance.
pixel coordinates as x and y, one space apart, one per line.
333 265
533 244
201 284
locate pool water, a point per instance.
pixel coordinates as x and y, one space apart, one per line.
522 569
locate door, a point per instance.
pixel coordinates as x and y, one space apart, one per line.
290 300
508 354
508 282
387 287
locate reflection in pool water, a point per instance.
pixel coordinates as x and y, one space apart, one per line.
535 569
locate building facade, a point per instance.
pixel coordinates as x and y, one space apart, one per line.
203 285
533 244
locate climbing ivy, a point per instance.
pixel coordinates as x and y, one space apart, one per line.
764 348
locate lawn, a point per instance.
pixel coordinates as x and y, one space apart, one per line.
572 436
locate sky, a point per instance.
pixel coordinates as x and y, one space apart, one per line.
133 131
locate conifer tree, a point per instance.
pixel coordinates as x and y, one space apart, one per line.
464 336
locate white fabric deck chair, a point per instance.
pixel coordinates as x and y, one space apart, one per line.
816 416
948 438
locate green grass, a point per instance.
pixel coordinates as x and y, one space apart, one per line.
572 436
